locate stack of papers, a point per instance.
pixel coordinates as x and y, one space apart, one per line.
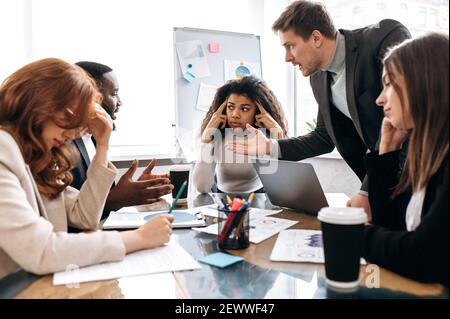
171 257
261 228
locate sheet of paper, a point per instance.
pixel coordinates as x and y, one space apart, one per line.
192 58
211 210
171 257
266 227
299 245
205 97
261 228
234 69
337 199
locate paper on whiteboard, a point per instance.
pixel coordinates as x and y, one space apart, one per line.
192 58
234 69
205 97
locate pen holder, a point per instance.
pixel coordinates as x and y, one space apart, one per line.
234 229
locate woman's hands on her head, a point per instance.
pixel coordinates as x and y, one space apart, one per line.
217 120
392 138
100 125
265 120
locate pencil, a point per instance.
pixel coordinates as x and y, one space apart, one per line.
183 186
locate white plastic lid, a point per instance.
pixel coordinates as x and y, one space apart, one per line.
342 215
179 168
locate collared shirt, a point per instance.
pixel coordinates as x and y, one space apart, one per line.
414 209
338 78
90 147
338 85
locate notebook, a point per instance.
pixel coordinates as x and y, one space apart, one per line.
130 217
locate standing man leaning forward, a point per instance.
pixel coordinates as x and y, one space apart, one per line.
345 68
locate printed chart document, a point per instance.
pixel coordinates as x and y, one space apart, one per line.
171 257
130 217
261 228
300 245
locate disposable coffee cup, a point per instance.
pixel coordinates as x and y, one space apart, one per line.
342 235
178 175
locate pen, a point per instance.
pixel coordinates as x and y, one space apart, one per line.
243 208
177 197
218 202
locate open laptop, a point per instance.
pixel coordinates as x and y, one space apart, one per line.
291 184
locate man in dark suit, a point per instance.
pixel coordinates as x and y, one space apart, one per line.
345 75
148 188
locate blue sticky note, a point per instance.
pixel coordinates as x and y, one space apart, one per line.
188 76
220 260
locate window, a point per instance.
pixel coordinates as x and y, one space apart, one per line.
403 14
422 17
15 33
380 11
358 16
434 18
135 38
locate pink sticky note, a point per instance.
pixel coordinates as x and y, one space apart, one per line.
214 47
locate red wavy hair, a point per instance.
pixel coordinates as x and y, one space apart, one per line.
42 91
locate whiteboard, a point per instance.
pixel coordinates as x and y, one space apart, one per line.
237 51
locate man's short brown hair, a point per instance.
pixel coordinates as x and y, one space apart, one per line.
303 17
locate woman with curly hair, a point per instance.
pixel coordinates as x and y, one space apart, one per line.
237 104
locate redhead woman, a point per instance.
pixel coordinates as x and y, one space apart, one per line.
43 106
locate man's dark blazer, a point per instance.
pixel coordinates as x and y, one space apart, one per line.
79 173
83 162
364 51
